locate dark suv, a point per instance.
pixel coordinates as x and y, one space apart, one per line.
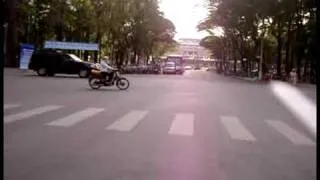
52 62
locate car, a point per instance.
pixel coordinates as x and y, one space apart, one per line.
48 63
169 68
179 69
172 68
187 67
197 67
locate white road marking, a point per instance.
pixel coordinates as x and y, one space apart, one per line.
28 114
182 124
10 106
235 128
77 117
303 108
291 134
128 122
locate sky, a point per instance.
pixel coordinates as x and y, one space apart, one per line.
185 15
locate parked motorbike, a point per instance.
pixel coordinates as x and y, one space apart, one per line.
99 78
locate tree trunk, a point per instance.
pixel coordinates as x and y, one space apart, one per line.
292 52
305 73
138 58
234 56
98 39
279 48
299 49
121 59
86 54
11 36
288 42
59 32
133 60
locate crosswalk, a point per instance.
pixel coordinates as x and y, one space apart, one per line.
29 113
77 117
182 124
235 128
128 122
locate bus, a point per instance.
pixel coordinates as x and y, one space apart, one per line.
178 62
177 59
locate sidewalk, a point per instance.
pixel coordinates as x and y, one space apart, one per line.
304 85
14 71
301 86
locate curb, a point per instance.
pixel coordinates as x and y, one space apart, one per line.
247 79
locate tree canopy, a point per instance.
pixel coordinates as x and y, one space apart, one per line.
283 29
127 30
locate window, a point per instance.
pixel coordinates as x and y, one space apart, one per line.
75 58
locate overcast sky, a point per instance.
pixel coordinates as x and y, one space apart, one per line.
185 14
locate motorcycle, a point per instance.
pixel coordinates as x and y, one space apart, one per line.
98 78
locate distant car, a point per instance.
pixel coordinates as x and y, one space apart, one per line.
52 62
172 68
179 69
187 67
197 67
169 68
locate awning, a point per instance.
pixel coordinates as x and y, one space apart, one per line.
71 45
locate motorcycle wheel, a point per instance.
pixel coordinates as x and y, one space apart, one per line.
94 83
122 83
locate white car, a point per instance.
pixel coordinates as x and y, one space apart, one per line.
187 67
172 68
169 67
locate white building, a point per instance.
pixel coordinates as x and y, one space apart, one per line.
190 49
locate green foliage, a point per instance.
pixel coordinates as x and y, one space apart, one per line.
122 27
286 27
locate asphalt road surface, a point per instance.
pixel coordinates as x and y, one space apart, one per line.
198 126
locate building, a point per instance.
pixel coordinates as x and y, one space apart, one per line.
191 51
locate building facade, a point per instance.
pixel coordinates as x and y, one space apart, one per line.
191 50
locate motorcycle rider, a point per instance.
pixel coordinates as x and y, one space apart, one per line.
105 67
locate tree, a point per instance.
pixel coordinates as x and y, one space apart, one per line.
247 23
122 28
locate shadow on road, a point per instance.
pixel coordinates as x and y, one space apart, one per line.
52 77
104 89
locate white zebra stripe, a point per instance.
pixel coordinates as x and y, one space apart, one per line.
76 117
235 129
30 113
291 134
127 122
182 124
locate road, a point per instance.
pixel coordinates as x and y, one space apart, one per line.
199 126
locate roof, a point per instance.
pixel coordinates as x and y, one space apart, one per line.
189 41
